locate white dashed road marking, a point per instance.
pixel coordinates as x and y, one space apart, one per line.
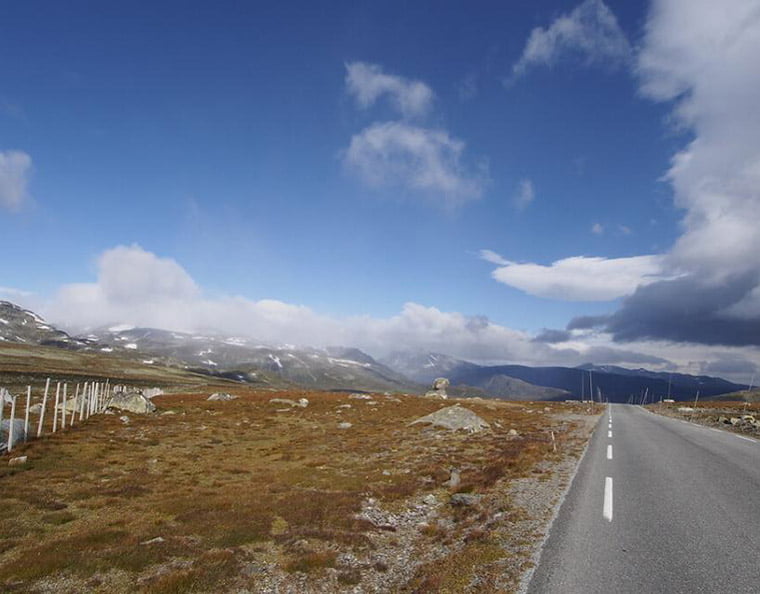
609 452
607 509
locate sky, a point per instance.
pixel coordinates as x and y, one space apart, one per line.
543 182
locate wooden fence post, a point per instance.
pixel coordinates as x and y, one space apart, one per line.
10 427
74 406
26 414
81 403
44 403
63 407
55 408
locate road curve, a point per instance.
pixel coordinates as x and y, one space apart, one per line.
657 505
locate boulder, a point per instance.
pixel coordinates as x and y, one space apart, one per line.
454 418
221 396
301 403
438 389
18 431
464 499
133 402
152 392
360 397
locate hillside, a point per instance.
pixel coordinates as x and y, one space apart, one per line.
332 368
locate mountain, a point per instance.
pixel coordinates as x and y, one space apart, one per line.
614 385
26 327
681 382
332 368
425 367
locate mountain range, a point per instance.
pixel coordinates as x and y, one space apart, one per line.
346 368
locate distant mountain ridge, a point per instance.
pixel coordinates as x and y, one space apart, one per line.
618 384
244 359
348 368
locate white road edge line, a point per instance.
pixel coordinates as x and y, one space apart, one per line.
607 509
745 438
609 452
609 433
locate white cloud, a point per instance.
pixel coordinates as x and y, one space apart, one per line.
524 195
703 55
367 83
597 229
14 173
178 303
590 32
493 258
425 160
578 278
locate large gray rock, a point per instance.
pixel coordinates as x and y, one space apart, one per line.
454 418
133 402
438 389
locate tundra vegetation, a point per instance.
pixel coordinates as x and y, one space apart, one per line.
252 495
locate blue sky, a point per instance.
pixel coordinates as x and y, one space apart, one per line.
278 153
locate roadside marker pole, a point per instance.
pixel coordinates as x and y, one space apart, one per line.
44 404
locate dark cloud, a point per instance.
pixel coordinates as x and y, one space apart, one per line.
611 356
730 366
587 322
550 336
685 310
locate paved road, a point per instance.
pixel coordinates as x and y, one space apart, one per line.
657 505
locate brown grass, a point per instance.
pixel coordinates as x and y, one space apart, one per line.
229 485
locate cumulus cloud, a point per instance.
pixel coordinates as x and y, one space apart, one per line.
367 83
702 57
14 173
589 33
396 154
578 278
524 194
139 288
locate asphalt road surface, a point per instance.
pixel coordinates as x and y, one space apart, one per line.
657 505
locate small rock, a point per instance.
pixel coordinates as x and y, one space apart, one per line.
221 396
386 472
454 479
734 420
344 425
344 406
513 432
360 397
685 409
124 419
464 499
156 540
17 461
430 499
303 402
